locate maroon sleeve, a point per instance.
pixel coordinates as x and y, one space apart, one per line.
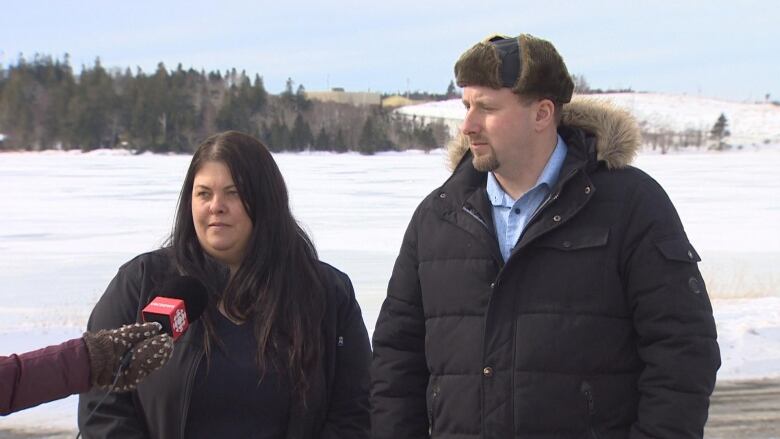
44 375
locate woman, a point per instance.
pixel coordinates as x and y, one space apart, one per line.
281 351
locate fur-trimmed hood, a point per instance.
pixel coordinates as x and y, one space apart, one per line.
616 131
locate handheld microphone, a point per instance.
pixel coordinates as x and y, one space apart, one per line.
181 301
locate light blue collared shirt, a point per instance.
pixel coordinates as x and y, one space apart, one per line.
511 216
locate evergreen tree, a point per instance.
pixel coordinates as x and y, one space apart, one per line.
425 138
719 132
141 122
234 113
322 142
94 111
215 76
340 142
280 136
264 134
16 115
452 92
180 110
366 141
259 95
301 137
374 136
151 110
301 102
287 95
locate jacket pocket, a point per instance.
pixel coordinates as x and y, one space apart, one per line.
587 393
570 268
576 239
679 250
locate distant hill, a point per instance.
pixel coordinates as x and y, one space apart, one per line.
749 123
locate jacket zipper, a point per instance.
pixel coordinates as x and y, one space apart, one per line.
587 391
432 409
470 211
188 395
474 214
550 198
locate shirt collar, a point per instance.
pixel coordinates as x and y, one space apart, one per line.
548 177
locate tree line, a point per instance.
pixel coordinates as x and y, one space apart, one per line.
664 139
45 105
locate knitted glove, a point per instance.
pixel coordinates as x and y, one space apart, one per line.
150 350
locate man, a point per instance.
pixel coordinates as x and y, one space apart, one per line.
547 289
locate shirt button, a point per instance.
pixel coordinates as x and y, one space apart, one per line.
557 218
517 210
492 285
587 189
690 254
566 244
487 372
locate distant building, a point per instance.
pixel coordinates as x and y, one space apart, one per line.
345 97
450 113
396 101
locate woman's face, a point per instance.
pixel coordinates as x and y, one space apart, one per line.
221 222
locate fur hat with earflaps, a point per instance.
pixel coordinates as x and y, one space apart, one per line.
528 65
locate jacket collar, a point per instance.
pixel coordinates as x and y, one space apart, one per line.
614 132
463 200
466 185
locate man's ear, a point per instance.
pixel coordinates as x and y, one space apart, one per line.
545 114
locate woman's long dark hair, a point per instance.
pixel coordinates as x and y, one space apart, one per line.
277 285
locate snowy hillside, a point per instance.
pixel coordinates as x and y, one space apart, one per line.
750 124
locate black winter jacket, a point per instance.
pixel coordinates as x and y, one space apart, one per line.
337 405
597 326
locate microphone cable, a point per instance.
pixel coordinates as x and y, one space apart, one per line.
121 368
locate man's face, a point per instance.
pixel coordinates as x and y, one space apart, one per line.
499 126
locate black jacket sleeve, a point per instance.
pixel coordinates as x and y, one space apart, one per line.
117 416
672 317
399 372
348 413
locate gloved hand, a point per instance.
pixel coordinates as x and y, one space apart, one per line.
150 350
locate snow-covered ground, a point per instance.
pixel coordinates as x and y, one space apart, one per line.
749 123
69 220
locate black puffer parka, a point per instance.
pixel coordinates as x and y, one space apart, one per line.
598 325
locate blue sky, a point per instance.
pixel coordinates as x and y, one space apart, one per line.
723 49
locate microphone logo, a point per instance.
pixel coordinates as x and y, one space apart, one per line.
179 320
170 313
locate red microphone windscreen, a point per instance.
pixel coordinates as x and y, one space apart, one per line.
170 313
179 301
